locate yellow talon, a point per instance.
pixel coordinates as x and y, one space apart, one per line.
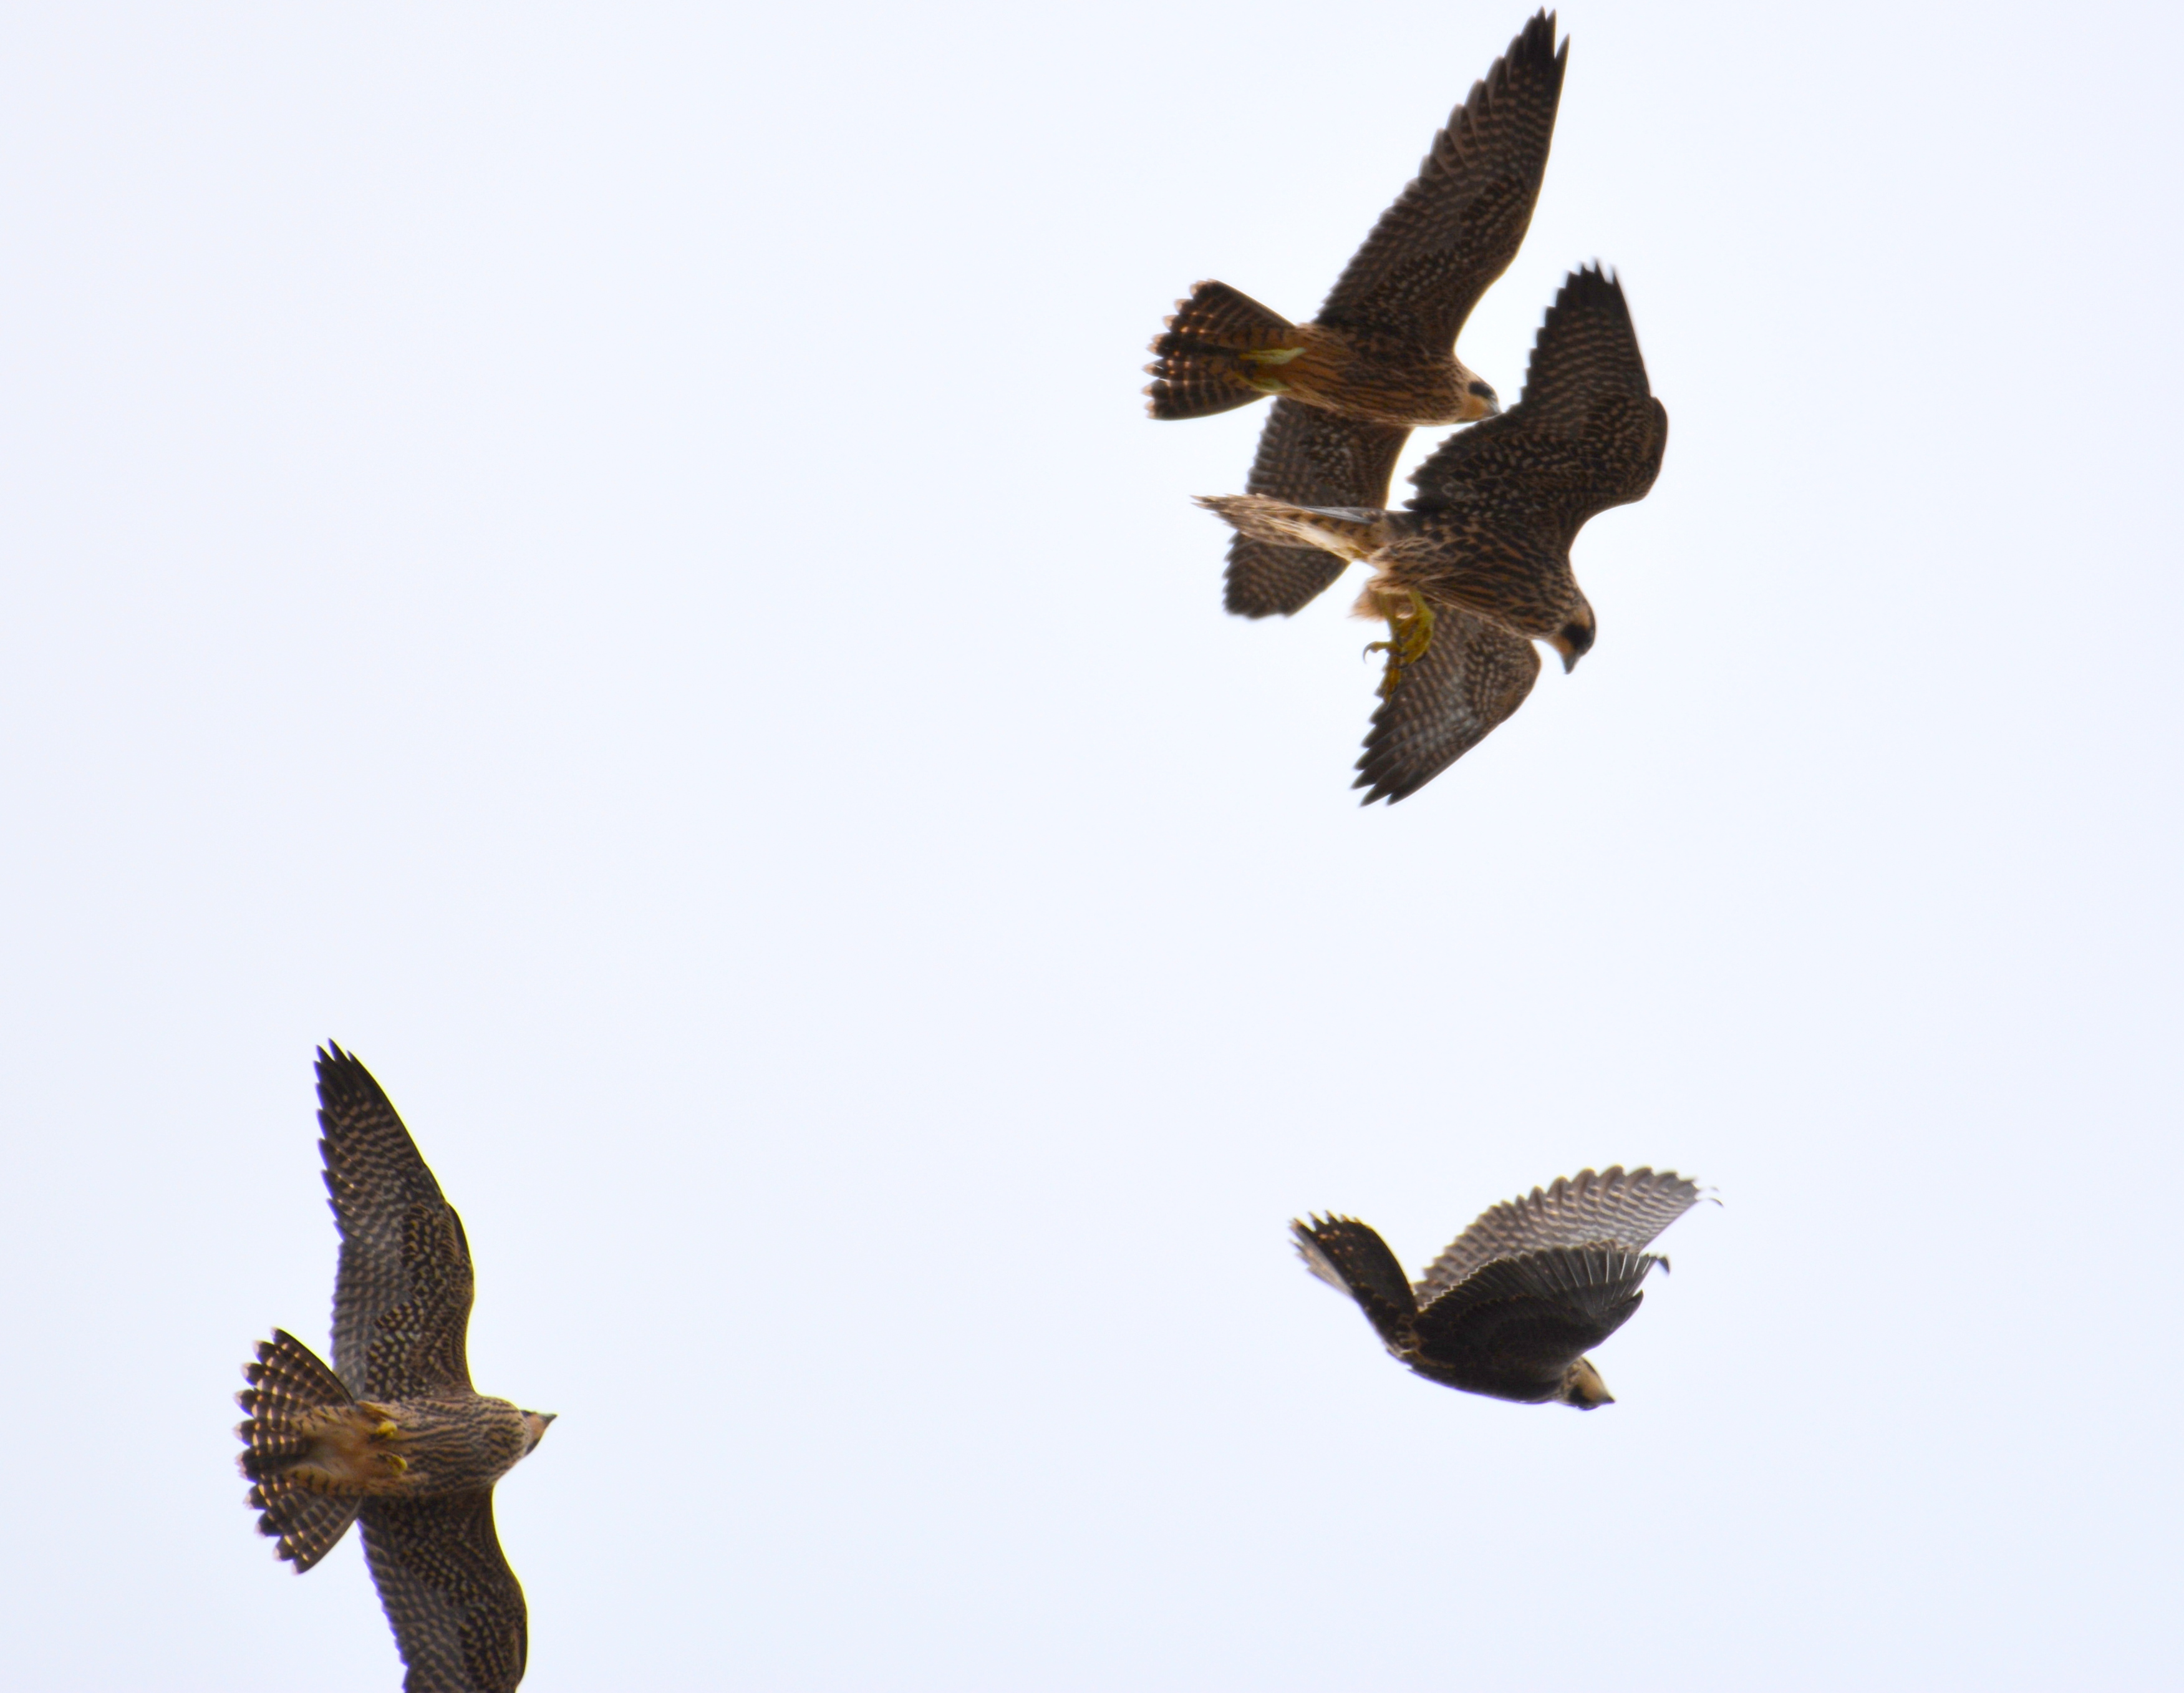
1408 640
396 1462
387 1430
1258 363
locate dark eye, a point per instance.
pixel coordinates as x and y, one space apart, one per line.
1482 390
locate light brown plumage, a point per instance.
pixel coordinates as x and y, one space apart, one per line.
1379 358
1478 565
397 1437
1630 1208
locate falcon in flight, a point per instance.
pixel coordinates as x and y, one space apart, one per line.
1379 358
1519 1298
1477 568
393 1433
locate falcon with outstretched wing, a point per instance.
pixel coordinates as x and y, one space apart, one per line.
1379 358
393 1434
1517 1299
1477 567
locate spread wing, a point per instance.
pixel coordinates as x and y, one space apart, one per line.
455 1606
1588 433
1473 676
1528 1319
421 1345
1308 457
1346 1253
392 1220
1460 222
1624 1209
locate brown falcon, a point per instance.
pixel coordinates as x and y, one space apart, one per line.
393 1433
1478 566
1513 1304
1379 358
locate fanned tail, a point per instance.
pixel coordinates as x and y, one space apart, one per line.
287 1384
1351 1256
1209 357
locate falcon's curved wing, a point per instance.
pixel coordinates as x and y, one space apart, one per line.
1460 222
379 1185
1588 433
1308 457
456 1607
1622 1209
1472 677
1351 1256
1529 1318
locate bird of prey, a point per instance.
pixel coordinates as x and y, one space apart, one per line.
1517 1299
1478 566
1379 358
393 1434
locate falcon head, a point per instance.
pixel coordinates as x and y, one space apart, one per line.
1583 1388
534 1429
1575 639
1477 399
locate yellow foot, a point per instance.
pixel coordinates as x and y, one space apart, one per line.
1256 367
395 1462
1409 638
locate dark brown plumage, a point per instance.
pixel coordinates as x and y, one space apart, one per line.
1379 358
1510 1309
1308 457
1478 566
395 1434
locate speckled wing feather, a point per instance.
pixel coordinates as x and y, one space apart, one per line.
1472 677
421 1346
1460 222
456 1607
1534 1315
376 1180
1588 433
1625 1209
1308 457
1350 1256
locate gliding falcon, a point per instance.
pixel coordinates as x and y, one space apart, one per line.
1379 358
1477 566
393 1433
1513 1304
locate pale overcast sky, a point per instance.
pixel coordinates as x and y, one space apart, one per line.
608 557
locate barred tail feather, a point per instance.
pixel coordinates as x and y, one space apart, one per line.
307 1525
287 1384
1349 532
1199 367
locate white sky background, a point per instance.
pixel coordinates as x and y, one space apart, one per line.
610 558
